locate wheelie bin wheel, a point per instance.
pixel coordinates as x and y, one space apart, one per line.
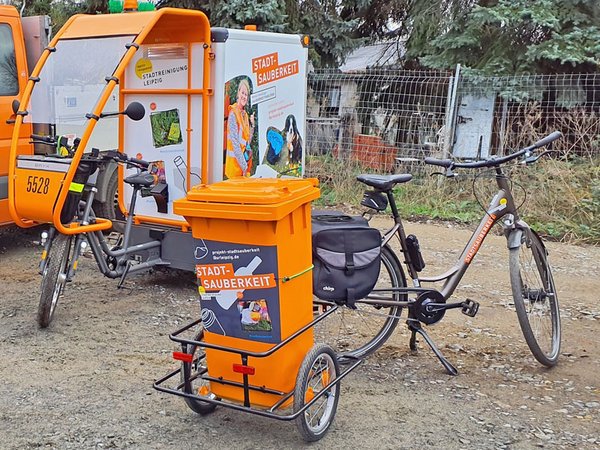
197 385
318 369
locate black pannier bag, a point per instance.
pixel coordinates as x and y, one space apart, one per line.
346 257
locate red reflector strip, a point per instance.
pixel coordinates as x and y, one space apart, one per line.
185 357
246 370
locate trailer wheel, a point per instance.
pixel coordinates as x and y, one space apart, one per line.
194 386
319 368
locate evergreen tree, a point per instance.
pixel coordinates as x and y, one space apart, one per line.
335 27
503 37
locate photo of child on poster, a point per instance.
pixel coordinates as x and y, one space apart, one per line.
240 142
284 149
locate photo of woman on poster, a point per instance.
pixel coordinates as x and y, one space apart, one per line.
239 133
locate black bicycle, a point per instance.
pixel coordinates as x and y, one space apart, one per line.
61 252
362 328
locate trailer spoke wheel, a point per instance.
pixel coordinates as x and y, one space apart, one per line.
197 386
318 369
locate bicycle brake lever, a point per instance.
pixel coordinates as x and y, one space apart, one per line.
450 173
530 160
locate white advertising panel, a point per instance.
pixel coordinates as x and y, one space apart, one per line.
161 137
260 86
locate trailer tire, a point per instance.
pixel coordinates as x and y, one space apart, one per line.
198 406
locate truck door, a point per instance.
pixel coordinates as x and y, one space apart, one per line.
13 77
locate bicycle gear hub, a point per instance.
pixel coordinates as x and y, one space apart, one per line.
429 307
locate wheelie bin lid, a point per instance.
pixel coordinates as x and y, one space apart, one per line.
248 198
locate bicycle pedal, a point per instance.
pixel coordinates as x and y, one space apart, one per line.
470 307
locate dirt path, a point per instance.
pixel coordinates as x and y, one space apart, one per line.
86 382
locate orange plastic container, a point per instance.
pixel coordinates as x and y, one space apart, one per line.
253 261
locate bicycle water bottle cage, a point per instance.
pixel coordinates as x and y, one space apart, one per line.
374 200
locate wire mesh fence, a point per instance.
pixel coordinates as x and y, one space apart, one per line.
389 120
379 118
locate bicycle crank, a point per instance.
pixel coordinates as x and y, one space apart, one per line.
430 307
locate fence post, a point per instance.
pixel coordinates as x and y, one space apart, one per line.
451 111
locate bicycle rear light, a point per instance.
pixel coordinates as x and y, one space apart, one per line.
374 200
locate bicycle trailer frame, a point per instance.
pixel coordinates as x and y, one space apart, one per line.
274 411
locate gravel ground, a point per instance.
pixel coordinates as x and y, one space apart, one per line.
86 382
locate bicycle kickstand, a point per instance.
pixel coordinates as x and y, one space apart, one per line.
415 327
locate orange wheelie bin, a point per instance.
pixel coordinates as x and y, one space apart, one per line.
253 264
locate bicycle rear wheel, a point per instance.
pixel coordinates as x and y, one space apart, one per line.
54 278
535 298
359 332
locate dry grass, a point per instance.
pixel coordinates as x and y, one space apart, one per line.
559 198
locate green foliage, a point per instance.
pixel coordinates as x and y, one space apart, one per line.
268 15
507 36
434 198
335 27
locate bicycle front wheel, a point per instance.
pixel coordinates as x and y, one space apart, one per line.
535 297
54 278
359 332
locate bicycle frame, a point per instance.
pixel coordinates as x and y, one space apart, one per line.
502 206
99 245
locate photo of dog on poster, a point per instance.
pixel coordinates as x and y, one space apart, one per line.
284 148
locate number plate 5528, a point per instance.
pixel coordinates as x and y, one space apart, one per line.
38 185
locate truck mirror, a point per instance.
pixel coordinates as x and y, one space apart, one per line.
135 111
15 105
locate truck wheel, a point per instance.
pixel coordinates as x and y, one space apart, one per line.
110 209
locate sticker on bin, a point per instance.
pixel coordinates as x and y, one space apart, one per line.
239 293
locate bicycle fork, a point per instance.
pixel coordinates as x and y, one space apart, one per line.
46 241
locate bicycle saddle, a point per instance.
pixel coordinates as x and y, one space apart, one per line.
384 182
144 179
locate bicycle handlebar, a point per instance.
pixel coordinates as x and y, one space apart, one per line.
50 140
122 157
548 139
110 154
494 162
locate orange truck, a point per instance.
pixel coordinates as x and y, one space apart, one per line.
22 40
